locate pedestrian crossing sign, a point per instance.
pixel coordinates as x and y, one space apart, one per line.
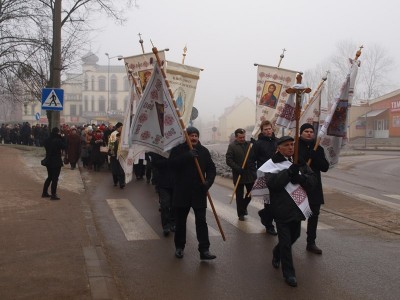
52 99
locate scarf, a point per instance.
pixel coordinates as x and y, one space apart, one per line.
295 191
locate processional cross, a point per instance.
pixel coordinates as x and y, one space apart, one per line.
299 90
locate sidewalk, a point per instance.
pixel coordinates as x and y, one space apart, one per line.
49 249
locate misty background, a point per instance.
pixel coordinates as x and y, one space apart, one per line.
226 38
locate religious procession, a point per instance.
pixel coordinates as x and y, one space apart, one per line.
280 166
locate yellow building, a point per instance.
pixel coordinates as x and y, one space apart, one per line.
240 115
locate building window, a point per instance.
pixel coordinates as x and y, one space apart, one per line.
113 84
86 84
113 104
102 105
92 103
102 83
80 109
86 103
126 84
72 110
93 83
126 103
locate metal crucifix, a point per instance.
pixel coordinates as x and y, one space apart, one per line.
299 90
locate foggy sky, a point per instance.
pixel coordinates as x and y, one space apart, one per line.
226 38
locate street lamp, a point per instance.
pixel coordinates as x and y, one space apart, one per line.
108 79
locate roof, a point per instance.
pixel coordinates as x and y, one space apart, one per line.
373 113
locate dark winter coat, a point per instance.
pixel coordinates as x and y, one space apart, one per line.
188 188
163 174
284 209
74 148
264 148
53 145
234 158
318 164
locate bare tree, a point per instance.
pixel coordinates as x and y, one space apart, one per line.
27 43
371 80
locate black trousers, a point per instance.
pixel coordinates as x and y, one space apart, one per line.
181 214
266 216
167 212
118 173
288 233
241 200
312 224
52 177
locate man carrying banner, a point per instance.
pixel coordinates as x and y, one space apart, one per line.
288 184
264 148
235 158
190 192
316 196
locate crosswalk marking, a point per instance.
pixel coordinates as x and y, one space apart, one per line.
397 197
131 221
321 226
379 201
191 226
228 213
135 227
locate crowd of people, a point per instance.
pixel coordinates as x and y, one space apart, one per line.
24 134
291 190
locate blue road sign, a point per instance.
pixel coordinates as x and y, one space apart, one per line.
37 116
52 99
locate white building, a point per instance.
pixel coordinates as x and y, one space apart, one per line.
98 95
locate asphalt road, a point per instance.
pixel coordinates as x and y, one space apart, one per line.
360 258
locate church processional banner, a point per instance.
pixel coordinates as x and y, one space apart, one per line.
141 66
156 125
183 82
271 94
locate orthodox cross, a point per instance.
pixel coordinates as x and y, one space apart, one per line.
299 90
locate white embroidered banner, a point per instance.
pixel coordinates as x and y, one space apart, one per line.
155 126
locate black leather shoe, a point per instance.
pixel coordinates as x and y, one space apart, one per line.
241 218
206 255
314 249
246 212
179 252
54 197
271 231
166 232
291 280
276 262
45 195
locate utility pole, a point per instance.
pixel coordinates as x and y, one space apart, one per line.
55 64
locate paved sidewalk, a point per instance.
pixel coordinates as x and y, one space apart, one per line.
49 249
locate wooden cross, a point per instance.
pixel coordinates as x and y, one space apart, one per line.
298 92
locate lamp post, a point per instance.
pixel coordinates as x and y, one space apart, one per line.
108 79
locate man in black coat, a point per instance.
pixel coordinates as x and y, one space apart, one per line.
264 148
53 145
190 192
235 156
316 196
288 184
